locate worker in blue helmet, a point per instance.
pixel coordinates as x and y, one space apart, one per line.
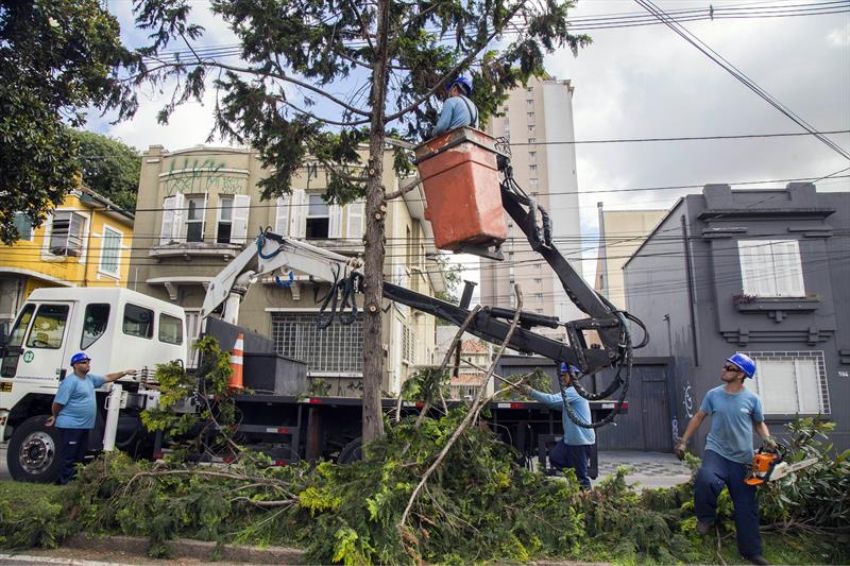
574 448
735 412
74 411
458 109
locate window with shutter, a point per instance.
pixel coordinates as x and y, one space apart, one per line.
173 212
354 228
281 218
298 214
239 226
196 212
771 268
334 221
318 218
166 231
67 233
225 219
790 382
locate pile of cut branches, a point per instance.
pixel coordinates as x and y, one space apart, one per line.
435 490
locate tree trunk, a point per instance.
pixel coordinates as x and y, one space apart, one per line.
376 209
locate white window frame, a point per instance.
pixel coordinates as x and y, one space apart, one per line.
800 399
309 216
771 268
101 269
202 221
173 211
222 199
48 236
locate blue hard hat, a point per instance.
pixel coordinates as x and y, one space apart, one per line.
743 361
80 357
572 369
464 83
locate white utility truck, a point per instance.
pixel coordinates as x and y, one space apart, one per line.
118 329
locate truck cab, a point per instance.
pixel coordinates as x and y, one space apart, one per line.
117 328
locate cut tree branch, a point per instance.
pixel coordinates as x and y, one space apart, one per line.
471 416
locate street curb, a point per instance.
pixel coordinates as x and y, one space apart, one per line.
188 548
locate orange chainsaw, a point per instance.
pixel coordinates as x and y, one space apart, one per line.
770 465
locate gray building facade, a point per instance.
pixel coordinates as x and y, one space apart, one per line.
765 272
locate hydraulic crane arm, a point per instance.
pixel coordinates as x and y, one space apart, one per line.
272 253
275 253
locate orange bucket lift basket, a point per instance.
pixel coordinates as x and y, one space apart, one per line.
460 175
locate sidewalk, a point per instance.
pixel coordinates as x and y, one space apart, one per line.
649 469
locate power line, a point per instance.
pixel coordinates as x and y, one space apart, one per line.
714 56
579 193
682 138
601 22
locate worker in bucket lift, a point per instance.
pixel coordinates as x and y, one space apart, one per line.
74 411
458 110
735 412
574 449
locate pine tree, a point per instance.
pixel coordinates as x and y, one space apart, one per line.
317 78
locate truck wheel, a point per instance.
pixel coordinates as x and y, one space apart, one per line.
33 453
351 452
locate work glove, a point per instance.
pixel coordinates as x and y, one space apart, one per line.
680 448
770 443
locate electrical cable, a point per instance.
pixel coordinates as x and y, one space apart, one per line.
715 57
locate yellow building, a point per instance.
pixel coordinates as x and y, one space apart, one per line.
84 242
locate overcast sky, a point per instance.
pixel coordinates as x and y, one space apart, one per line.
647 82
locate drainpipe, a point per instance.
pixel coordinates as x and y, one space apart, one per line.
88 249
603 252
689 273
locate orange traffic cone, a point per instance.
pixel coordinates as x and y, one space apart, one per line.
235 383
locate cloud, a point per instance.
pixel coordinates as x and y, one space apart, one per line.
648 82
190 124
839 37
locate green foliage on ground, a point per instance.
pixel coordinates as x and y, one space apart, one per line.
479 506
31 515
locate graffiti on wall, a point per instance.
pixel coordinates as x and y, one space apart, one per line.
674 426
688 401
202 176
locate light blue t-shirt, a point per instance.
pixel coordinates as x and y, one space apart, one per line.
76 395
457 111
732 418
574 435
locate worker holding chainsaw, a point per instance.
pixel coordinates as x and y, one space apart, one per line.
735 412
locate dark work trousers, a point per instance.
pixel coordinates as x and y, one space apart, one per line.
715 473
75 443
572 456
